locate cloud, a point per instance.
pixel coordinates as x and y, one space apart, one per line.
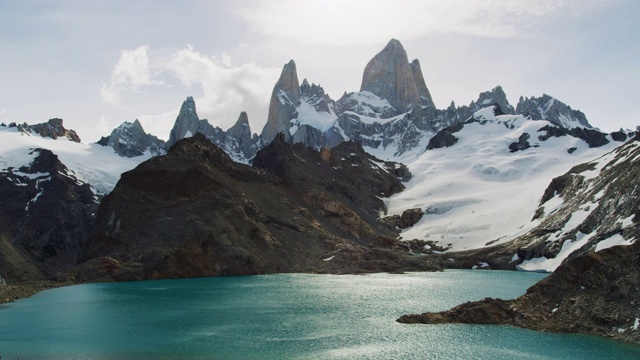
130 73
344 23
221 88
226 88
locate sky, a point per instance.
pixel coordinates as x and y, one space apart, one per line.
96 64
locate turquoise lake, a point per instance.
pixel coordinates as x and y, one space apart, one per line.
284 316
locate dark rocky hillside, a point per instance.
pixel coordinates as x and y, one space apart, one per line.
45 213
195 212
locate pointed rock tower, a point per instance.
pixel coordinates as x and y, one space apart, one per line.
390 76
285 98
187 123
241 132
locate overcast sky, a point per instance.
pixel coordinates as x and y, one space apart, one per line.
97 64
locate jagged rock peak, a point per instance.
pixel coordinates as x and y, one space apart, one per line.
241 131
243 119
495 96
130 140
187 123
549 108
390 76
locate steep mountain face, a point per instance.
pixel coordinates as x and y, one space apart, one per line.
195 212
390 76
54 128
130 140
237 141
45 212
548 108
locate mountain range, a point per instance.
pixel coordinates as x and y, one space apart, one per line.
377 180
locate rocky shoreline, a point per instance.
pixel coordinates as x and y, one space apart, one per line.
596 293
13 292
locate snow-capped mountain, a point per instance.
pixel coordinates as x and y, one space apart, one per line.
130 140
393 114
94 164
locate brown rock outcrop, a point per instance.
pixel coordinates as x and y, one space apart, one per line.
54 128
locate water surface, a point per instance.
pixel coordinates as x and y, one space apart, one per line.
296 316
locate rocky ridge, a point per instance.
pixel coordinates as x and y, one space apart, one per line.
549 108
54 128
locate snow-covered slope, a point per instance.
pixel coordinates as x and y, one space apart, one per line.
477 191
593 206
92 163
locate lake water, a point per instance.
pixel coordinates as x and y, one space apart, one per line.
292 316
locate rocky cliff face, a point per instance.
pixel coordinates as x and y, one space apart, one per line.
549 108
195 212
390 76
130 140
285 99
54 128
45 212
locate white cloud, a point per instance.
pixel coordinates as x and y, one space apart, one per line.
226 88
130 73
343 23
